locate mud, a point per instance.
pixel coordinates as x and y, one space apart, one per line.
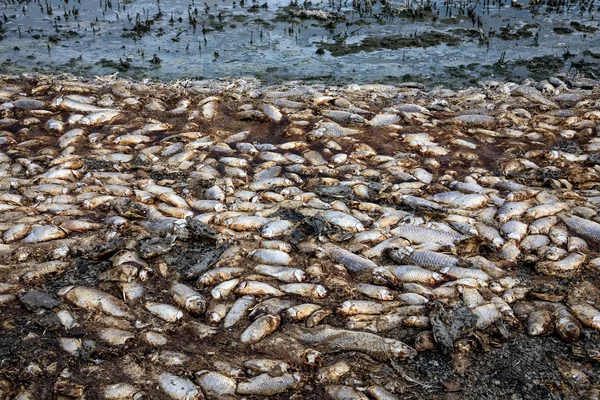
394 42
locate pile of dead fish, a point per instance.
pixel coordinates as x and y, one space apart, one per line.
223 239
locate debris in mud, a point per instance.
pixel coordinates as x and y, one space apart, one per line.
392 42
35 299
582 27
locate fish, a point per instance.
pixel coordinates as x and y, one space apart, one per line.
588 230
178 388
98 118
339 392
215 385
266 385
333 339
44 233
189 299
354 263
90 298
419 234
165 312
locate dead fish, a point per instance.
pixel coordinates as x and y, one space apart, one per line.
534 242
511 209
542 226
260 328
540 322
16 232
115 337
545 210
419 234
587 314
533 95
219 275
90 298
354 307
567 326
154 339
416 274
514 230
351 261
305 289
270 184
486 314
575 244
587 229
272 112
238 311
187 298
72 225
343 221
378 250
331 130
285 274
384 119
255 288
489 234
276 229
333 373
246 223
417 203
266 385
259 366
341 392
165 312
476 120
302 311
334 340
272 306
216 385
122 391
270 257
459 273
28 104
100 117
429 259
340 116
223 289
562 268
178 388
69 103
217 311
375 292
44 233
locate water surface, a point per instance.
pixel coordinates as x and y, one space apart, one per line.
452 42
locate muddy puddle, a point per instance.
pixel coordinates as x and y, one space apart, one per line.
449 42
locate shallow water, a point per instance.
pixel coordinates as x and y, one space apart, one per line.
273 40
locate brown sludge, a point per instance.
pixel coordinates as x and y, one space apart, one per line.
297 241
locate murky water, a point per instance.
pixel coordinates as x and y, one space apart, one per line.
437 41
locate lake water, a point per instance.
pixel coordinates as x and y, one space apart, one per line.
452 42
